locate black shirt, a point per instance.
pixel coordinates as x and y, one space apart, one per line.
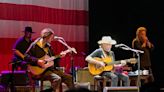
21 45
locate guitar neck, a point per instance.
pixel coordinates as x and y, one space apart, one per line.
114 62
118 61
52 58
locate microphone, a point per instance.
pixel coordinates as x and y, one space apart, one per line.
58 38
65 44
119 45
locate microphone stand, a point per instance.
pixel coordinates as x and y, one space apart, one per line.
72 59
11 78
137 52
32 44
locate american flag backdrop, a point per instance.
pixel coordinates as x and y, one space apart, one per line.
68 18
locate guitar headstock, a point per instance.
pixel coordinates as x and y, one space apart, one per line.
68 51
132 60
73 50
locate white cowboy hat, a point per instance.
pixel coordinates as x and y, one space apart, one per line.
107 39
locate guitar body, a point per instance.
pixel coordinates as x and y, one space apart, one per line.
37 70
95 70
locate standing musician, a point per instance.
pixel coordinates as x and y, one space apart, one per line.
42 61
141 42
105 55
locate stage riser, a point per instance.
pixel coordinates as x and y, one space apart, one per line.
120 89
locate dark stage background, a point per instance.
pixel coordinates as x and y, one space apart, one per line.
120 19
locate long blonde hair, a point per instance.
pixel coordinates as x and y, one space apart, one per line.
46 32
139 30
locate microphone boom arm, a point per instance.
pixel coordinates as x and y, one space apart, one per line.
125 47
65 44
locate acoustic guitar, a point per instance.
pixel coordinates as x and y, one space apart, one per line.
96 70
37 70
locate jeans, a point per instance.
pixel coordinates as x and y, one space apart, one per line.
115 76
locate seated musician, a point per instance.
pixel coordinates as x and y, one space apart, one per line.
41 61
103 59
20 47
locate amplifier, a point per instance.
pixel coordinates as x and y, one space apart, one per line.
19 78
83 76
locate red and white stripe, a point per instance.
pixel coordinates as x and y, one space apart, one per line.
68 19
59 4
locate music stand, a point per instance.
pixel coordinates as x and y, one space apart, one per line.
137 52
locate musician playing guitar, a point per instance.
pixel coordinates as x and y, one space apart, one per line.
101 62
41 61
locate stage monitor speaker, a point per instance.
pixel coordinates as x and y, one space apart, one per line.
19 78
121 89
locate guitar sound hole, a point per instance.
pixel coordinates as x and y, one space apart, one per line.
46 62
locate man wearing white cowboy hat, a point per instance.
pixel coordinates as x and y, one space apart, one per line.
104 52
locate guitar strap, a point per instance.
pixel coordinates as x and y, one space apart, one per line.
46 48
32 44
103 52
105 55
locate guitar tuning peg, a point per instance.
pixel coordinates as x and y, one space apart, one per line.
73 50
133 60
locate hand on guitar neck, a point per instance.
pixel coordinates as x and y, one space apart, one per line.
123 62
63 53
